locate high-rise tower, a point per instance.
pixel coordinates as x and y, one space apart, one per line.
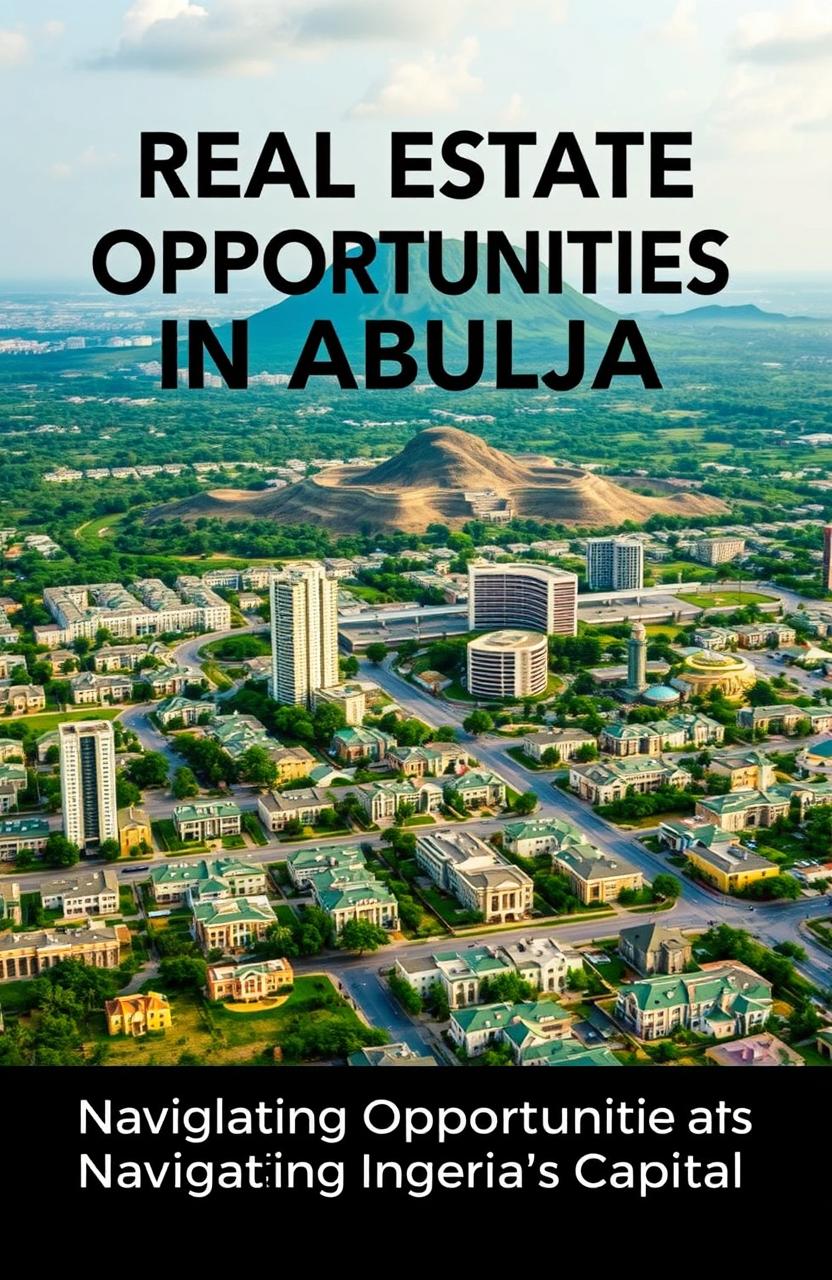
88 781
304 628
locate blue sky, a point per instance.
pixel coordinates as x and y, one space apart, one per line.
752 80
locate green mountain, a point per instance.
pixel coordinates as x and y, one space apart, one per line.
277 334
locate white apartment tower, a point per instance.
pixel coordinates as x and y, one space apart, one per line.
535 597
304 624
88 781
614 564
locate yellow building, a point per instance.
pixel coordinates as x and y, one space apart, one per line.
730 867
138 1014
133 830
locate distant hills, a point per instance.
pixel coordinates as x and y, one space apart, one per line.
540 320
745 314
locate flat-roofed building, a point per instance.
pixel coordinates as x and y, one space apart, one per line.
566 743
605 781
83 892
22 835
277 809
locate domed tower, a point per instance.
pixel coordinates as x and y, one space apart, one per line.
637 658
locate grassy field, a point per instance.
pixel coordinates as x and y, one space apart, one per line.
724 599
48 721
217 1037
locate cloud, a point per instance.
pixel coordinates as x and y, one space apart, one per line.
800 33
681 26
780 89
247 37
14 48
431 85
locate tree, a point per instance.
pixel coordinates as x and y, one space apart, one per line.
109 850
405 992
257 767
59 851
526 803
508 987
376 652
666 886
127 793
361 936
148 770
185 784
550 757
478 722
186 973
438 1001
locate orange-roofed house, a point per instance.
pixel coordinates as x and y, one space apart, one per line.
136 1015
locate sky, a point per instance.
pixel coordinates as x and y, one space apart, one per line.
750 79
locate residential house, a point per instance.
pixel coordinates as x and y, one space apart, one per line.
292 763
136 1015
121 657
595 876
381 800
478 789
723 1000
173 712
530 837
781 717
207 819
11 662
232 925
168 682
459 973
304 865
84 892
522 1025
277 809
89 689
22 835
544 962
356 743
745 768
21 699
654 948
606 781
741 810
13 780
175 883
429 760
245 983
134 830
11 910
354 893
476 875
758 635
729 866
566 742
11 750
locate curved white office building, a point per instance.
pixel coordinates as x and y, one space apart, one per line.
508 664
534 596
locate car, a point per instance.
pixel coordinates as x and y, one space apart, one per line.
131 871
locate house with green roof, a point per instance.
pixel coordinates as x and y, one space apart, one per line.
307 863
523 1027
174 883
479 788
459 973
399 1054
354 893
12 780
533 836
179 710
22 835
232 925
724 1000
207 820
742 810
605 781
355 742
